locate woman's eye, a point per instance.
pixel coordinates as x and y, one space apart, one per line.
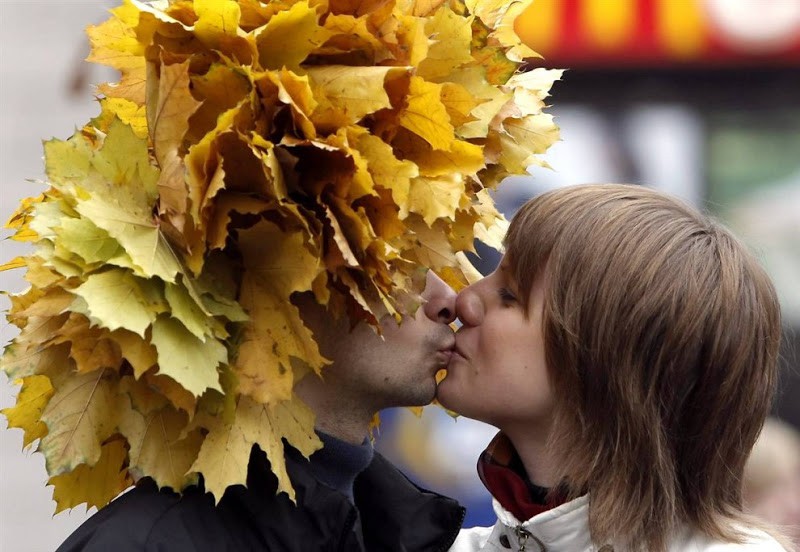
506 296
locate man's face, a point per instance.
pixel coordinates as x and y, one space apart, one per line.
399 368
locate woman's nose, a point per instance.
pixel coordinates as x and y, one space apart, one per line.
469 307
440 305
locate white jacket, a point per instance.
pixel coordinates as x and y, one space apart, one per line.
566 529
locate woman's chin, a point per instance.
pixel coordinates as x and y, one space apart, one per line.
448 397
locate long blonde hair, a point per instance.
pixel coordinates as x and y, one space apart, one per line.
661 335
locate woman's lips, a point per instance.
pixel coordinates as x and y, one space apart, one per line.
444 356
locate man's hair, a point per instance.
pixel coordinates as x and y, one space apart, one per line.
661 339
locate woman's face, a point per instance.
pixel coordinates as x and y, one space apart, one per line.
497 373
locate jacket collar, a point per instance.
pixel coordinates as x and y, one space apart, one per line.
565 527
397 515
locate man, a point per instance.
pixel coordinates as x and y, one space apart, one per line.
349 498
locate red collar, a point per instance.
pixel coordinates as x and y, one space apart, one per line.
503 474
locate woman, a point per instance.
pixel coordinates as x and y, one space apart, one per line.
626 348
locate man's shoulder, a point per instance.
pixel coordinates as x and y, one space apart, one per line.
127 523
398 514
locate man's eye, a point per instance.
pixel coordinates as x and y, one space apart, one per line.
505 295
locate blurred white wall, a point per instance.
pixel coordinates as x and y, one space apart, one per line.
41 47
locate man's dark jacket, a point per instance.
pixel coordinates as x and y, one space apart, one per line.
391 514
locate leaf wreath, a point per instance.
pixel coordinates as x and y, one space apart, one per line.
250 151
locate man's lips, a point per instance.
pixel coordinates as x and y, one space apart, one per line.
458 351
444 352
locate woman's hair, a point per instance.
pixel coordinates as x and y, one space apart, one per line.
661 334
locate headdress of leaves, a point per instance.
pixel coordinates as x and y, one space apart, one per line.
249 151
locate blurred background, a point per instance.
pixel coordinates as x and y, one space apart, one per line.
699 98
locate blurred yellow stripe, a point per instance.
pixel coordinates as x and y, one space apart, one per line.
539 25
680 27
608 24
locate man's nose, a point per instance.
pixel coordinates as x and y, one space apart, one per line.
469 307
440 305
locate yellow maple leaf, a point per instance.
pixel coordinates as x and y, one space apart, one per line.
387 171
216 19
115 299
276 265
425 115
347 94
26 413
492 225
90 347
459 103
140 237
156 448
168 111
289 37
191 314
433 249
96 483
352 41
173 391
79 417
114 43
435 198
491 100
524 138
507 36
139 353
188 360
80 236
461 157
225 452
450 36
38 302
130 113
20 361
221 88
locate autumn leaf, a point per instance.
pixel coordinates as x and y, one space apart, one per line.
289 37
426 116
139 352
435 198
225 452
20 361
114 43
169 109
142 240
115 299
216 20
80 236
156 448
276 266
121 160
94 484
130 113
81 415
91 348
26 413
188 360
345 95
450 35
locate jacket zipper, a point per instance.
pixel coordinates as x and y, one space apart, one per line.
523 536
